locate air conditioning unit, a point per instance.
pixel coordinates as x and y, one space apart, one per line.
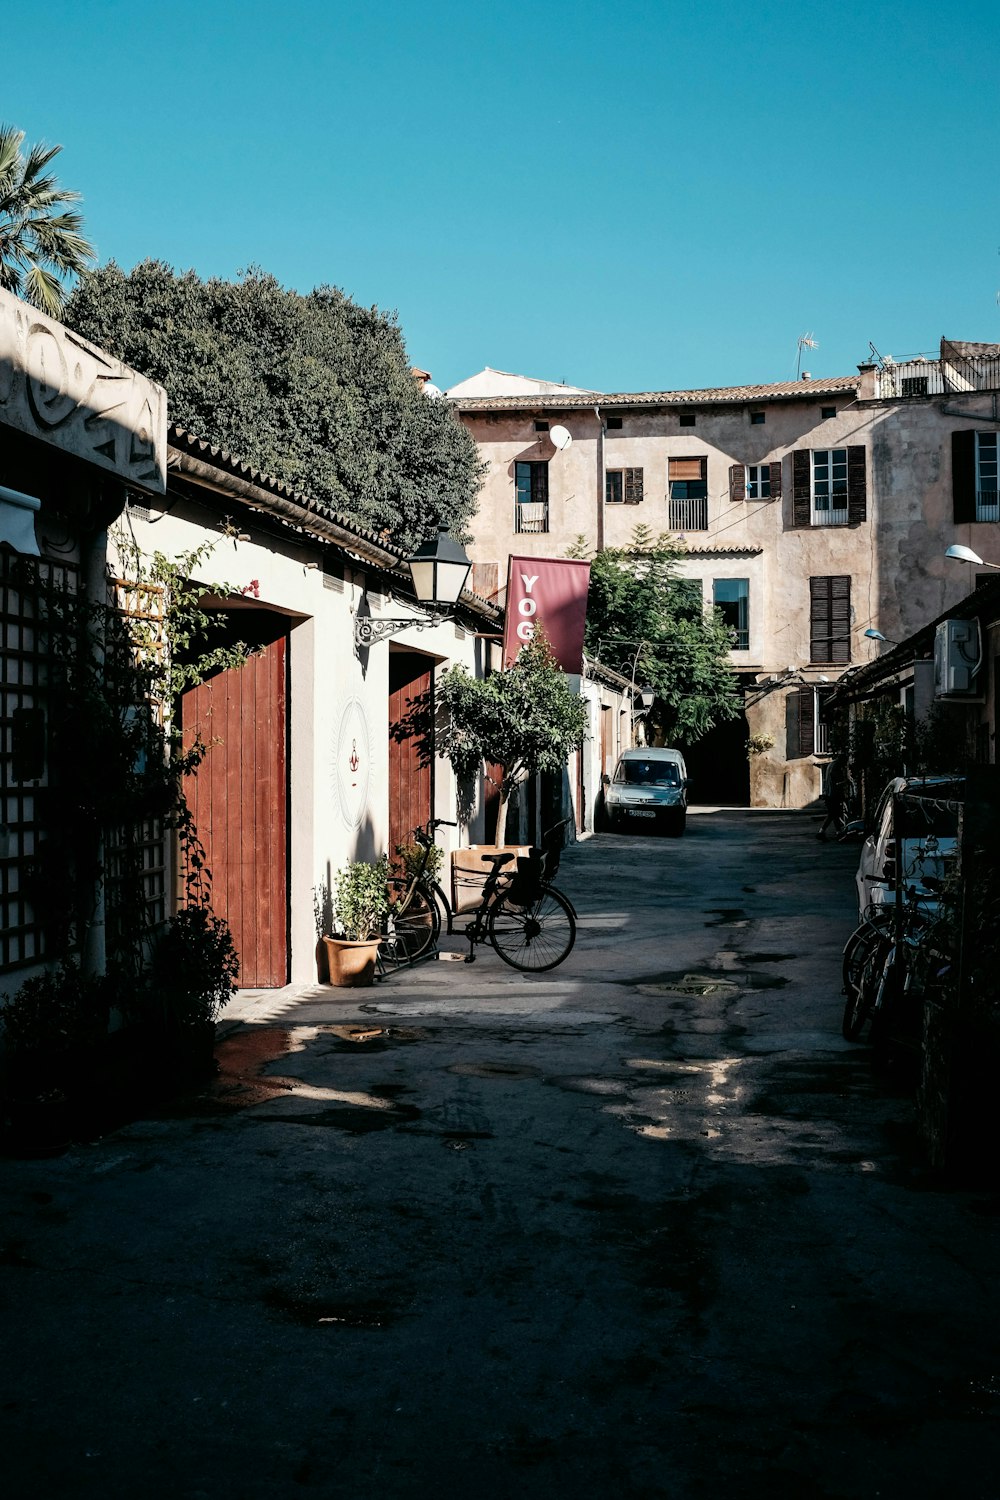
957 657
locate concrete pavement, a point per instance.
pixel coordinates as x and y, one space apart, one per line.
641 1226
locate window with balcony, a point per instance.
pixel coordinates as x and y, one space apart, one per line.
808 730
974 476
531 508
687 494
731 597
829 486
830 619
623 487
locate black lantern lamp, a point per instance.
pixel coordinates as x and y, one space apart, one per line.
439 569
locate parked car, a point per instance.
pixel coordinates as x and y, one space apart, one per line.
648 789
923 842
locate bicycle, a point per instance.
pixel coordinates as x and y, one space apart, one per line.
530 925
880 961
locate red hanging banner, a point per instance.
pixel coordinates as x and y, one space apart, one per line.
550 592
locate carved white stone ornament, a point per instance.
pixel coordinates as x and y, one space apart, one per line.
57 387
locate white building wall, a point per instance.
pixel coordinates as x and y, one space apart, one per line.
338 701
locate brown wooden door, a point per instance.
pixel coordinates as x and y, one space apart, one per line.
411 786
238 800
607 746
581 804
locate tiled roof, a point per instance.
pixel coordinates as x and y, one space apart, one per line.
721 551
784 390
221 458
391 555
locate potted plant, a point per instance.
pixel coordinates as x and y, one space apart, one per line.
323 918
193 975
360 905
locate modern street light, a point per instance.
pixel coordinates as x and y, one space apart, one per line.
958 553
876 635
438 569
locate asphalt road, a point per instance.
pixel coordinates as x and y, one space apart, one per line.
645 1226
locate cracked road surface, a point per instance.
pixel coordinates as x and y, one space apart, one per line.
644 1226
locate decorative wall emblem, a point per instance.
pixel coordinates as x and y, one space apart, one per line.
353 763
56 386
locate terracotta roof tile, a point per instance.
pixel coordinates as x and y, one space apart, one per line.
784 390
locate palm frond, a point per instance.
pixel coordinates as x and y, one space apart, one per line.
44 291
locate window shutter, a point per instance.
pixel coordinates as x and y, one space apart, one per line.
775 480
801 487
686 468
737 482
857 489
830 619
807 721
799 723
840 619
963 475
633 486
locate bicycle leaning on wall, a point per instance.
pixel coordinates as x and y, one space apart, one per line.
530 924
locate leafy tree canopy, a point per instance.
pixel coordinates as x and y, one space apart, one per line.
314 389
524 719
647 622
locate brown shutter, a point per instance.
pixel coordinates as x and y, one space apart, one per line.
840 619
799 723
857 489
737 482
830 619
775 480
801 487
686 468
633 486
807 721
963 475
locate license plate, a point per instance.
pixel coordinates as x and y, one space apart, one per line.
636 813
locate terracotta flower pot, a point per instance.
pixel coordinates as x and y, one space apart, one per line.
351 964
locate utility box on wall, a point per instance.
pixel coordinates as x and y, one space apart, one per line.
957 656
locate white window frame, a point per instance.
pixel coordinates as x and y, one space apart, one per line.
987 488
827 466
758 488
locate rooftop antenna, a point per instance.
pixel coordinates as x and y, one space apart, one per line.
805 341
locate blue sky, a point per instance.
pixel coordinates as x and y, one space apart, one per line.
624 196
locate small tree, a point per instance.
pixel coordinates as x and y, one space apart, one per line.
524 720
647 621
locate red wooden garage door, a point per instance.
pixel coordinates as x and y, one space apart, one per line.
238 799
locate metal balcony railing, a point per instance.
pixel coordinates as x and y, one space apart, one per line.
987 505
687 515
830 517
934 377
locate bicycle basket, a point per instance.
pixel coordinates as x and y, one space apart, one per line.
526 885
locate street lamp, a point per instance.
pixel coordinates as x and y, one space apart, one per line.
876 635
958 553
438 569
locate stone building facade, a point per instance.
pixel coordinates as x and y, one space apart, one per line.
811 511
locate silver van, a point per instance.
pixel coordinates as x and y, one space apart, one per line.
648 790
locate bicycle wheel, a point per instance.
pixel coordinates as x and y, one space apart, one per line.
533 935
864 961
411 930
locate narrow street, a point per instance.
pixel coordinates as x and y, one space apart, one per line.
644 1226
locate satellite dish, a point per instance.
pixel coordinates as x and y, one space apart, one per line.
560 437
